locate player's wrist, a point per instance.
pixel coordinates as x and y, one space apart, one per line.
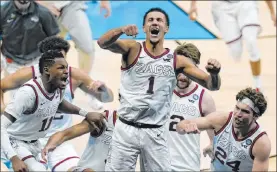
83 112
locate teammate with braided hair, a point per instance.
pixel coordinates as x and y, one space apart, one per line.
239 142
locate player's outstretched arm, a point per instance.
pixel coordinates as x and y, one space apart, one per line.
261 151
92 117
14 81
211 81
213 121
96 88
68 134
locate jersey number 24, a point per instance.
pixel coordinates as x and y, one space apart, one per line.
221 156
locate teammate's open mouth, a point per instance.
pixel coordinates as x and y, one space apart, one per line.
64 80
154 32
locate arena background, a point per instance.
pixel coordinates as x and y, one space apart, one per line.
204 34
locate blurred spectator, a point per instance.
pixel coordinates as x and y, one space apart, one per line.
24 24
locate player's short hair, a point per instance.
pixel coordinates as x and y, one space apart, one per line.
189 50
157 10
53 43
48 57
256 97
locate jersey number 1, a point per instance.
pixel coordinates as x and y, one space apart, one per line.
151 85
46 124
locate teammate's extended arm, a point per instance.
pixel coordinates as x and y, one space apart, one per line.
92 117
261 151
14 81
211 82
213 121
65 135
100 91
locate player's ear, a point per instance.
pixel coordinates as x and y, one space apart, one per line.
166 29
46 70
144 30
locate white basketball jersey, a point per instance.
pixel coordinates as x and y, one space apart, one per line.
60 121
96 152
34 125
185 149
146 88
231 153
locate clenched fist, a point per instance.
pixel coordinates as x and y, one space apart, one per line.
187 128
130 30
213 66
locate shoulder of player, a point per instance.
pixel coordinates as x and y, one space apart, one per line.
261 146
207 102
26 92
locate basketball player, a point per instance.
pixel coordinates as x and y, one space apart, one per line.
147 82
72 18
189 101
237 20
29 115
239 143
65 153
95 155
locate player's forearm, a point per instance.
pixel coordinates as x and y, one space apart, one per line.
211 135
270 6
68 108
77 130
109 38
70 133
5 140
213 82
202 123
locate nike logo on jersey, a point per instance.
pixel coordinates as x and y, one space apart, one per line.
191 101
166 60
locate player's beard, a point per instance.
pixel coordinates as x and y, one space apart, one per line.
188 81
